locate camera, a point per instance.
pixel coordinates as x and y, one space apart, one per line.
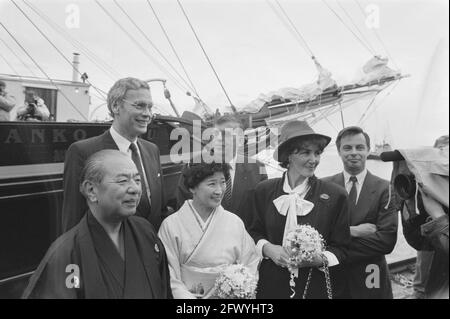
405 186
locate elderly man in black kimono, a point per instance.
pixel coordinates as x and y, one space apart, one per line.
110 253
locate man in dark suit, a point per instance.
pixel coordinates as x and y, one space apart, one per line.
129 103
373 219
244 173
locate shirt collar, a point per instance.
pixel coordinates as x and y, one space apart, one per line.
297 189
360 177
122 143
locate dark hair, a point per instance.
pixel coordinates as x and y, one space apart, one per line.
295 145
228 118
2 83
195 173
350 131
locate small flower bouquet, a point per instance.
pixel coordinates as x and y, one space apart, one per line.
236 282
304 244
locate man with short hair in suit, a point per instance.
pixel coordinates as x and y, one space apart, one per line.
245 174
130 104
373 219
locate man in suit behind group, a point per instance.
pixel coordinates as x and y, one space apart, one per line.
244 174
129 103
373 219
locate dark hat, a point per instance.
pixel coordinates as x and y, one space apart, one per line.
292 130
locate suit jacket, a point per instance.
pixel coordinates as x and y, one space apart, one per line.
74 204
329 217
76 247
246 177
370 250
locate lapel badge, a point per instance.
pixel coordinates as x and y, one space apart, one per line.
159 175
325 196
156 248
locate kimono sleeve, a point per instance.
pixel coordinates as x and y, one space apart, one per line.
51 281
179 290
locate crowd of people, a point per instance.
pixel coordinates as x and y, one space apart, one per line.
121 241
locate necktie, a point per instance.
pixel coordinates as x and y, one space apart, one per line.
145 197
353 192
226 202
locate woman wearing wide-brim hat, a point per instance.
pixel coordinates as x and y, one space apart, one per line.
277 205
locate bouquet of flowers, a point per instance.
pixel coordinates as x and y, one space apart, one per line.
236 282
304 244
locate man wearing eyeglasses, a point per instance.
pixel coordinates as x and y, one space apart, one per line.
129 103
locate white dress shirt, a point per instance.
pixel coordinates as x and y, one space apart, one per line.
124 146
360 181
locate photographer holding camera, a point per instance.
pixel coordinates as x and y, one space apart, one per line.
421 180
7 102
34 108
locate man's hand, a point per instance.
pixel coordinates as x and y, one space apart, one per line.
278 254
363 230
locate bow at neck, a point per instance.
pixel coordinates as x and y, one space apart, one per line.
293 204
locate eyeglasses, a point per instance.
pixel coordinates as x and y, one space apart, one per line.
141 106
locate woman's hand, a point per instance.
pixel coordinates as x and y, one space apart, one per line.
316 262
279 255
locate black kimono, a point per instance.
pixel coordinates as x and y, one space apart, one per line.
84 263
329 216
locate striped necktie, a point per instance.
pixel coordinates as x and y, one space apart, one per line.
145 197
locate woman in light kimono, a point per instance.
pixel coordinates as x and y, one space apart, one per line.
201 237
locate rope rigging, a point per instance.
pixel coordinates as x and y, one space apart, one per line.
143 50
346 26
101 92
356 26
308 49
97 61
206 56
173 48
152 44
18 57
10 66
379 38
43 72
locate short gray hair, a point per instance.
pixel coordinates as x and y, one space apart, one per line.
94 168
120 88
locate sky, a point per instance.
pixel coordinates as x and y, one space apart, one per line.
252 51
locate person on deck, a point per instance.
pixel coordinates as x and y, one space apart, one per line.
110 253
34 108
7 102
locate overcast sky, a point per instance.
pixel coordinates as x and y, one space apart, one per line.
253 52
